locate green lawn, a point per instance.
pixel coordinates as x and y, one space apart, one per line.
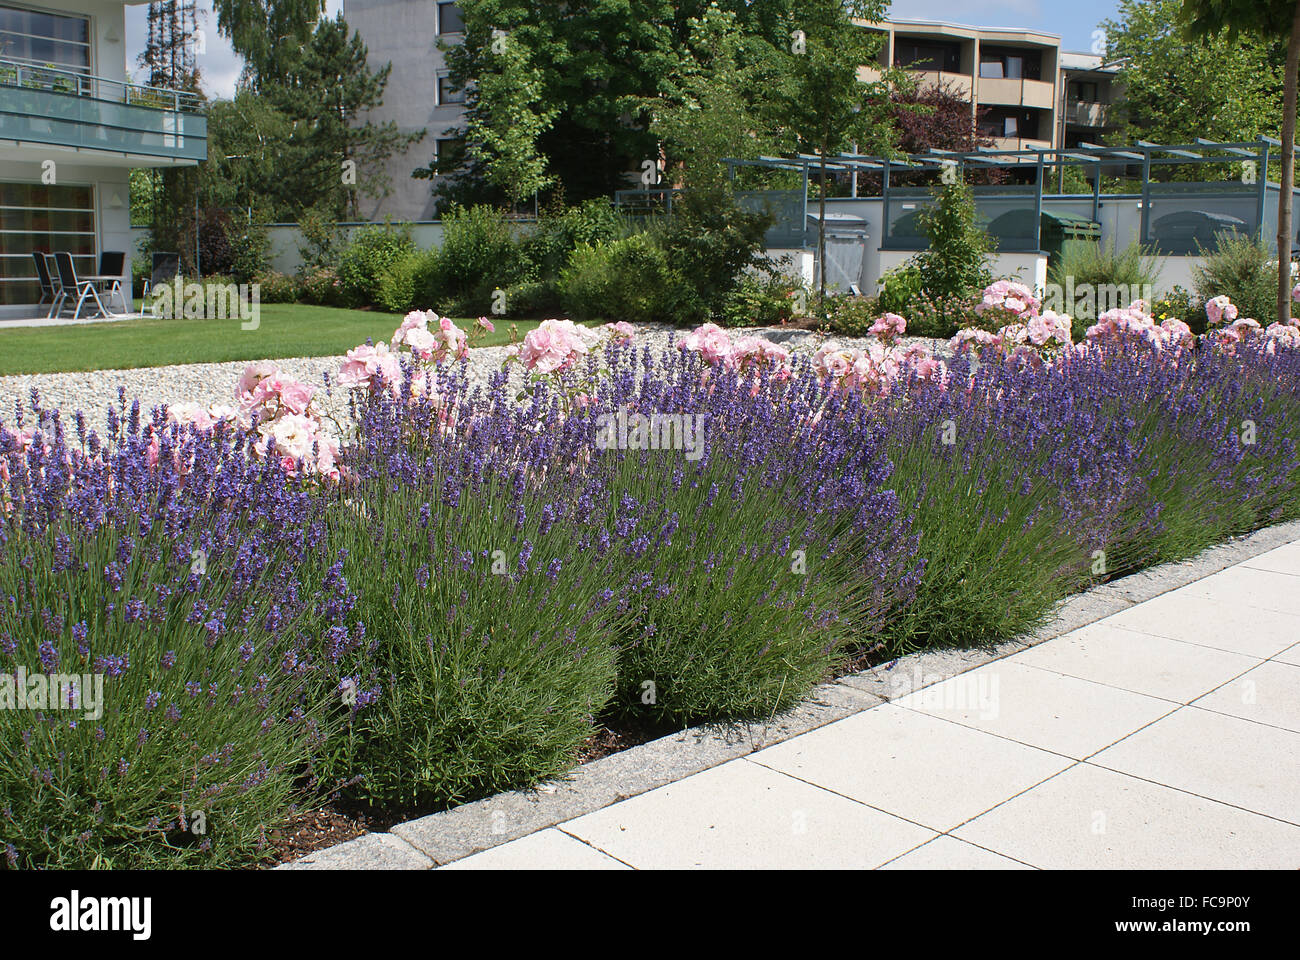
285 330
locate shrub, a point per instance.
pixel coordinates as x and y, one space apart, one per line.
532 298
277 287
321 287
1181 304
482 597
1130 274
1244 270
397 282
628 279
900 287
322 240
851 316
371 251
957 261
765 299
479 254
548 246
709 242
187 580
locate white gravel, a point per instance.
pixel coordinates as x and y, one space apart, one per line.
95 391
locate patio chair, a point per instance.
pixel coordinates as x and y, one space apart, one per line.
60 295
49 286
72 287
163 269
111 263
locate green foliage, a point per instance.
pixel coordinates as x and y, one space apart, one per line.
548 245
492 675
371 251
710 241
277 287
1097 265
629 279
765 300
900 287
955 265
1174 91
322 240
321 287
1244 270
479 254
851 316
250 249
1181 304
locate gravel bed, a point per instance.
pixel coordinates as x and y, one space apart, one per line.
93 392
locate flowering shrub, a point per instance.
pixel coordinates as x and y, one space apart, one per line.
196 635
441 607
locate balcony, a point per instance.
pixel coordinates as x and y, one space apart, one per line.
1083 114
999 91
57 108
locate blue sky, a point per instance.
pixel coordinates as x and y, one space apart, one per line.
1073 20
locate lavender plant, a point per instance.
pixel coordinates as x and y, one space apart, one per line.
180 646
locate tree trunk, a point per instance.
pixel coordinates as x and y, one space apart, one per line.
821 237
1284 231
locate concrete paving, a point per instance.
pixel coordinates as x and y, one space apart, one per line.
1164 735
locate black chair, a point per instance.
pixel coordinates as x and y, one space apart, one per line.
72 287
49 286
111 264
163 269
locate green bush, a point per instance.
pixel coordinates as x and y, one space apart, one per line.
399 283
531 299
321 287
900 287
479 254
851 316
1181 304
709 241
628 279
548 246
277 287
250 250
1129 274
371 251
1240 270
492 673
957 261
765 300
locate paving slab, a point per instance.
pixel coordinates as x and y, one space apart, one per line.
1154 666
1290 655
1251 587
1093 819
1284 559
1269 694
948 853
930 771
745 816
545 850
1039 708
1216 622
1235 761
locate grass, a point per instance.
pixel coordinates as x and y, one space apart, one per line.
284 330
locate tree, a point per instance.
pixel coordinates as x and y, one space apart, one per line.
1270 21
708 107
325 92
1175 92
822 100
269 34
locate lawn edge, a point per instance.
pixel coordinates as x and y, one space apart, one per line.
450 835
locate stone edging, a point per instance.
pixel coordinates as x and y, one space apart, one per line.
440 838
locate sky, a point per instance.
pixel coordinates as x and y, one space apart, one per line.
1072 20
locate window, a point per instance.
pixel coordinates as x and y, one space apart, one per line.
449 20
1084 91
41 38
1001 122
449 154
445 92
932 55
1010 63
48 219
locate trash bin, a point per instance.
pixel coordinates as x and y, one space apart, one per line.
1059 230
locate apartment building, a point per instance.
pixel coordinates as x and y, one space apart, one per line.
72 126
418 96
1025 90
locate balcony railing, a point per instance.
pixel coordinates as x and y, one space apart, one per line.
47 105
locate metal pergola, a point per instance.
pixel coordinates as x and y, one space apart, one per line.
1042 160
